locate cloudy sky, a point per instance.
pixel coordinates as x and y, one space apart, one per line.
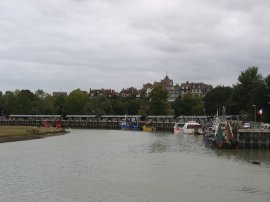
62 45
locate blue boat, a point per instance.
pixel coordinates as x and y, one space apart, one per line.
130 124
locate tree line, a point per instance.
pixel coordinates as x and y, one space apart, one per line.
250 94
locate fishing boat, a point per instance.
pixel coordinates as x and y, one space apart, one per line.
220 138
192 128
178 127
209 137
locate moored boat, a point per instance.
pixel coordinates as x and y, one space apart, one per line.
129 124
178 127
220 138
148 128
192 128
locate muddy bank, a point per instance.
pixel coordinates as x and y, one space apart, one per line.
20 133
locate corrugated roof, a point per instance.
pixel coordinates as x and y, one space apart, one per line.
33 116
81 116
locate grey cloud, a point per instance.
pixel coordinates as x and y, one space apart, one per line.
120 43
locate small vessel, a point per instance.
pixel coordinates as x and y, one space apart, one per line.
192 128
209 137
220 138
148 128
129 124
178 127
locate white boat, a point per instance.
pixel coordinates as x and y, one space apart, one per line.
192 128
178 127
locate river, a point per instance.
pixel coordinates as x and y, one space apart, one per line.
116 166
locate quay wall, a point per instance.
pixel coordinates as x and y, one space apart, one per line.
254 138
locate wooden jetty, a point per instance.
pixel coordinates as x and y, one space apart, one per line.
247 138
161 123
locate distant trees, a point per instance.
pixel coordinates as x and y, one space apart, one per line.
158 101
59 103
9 102
98 106
219 98
133 106
75 102
1 103
118 106
251 89
21 102
188 105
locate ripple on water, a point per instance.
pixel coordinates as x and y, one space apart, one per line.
105 165
249 189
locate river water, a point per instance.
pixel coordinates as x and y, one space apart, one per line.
114 165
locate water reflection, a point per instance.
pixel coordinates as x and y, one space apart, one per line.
111 165
158 147
161 143
167 142
245 155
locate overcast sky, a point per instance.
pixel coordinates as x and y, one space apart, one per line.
62 45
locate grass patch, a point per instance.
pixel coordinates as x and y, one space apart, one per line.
16 133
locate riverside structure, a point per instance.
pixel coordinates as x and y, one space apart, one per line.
162 123
247 138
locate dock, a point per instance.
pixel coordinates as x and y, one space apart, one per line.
255 138
161 123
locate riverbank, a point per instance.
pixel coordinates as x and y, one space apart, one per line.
19 133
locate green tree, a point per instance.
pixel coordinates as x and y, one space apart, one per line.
158 103
188 105
267 104
249 91
98 106
9 103
59 103
118 106
75 102
2 103
43 103
24 102
218 98
133 107
145 107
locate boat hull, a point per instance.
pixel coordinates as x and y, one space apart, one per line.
129 127
148 129
192 128
178 130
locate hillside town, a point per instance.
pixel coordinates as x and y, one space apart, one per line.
174 91
165 97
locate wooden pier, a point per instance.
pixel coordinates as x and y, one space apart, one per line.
161 123
257 138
